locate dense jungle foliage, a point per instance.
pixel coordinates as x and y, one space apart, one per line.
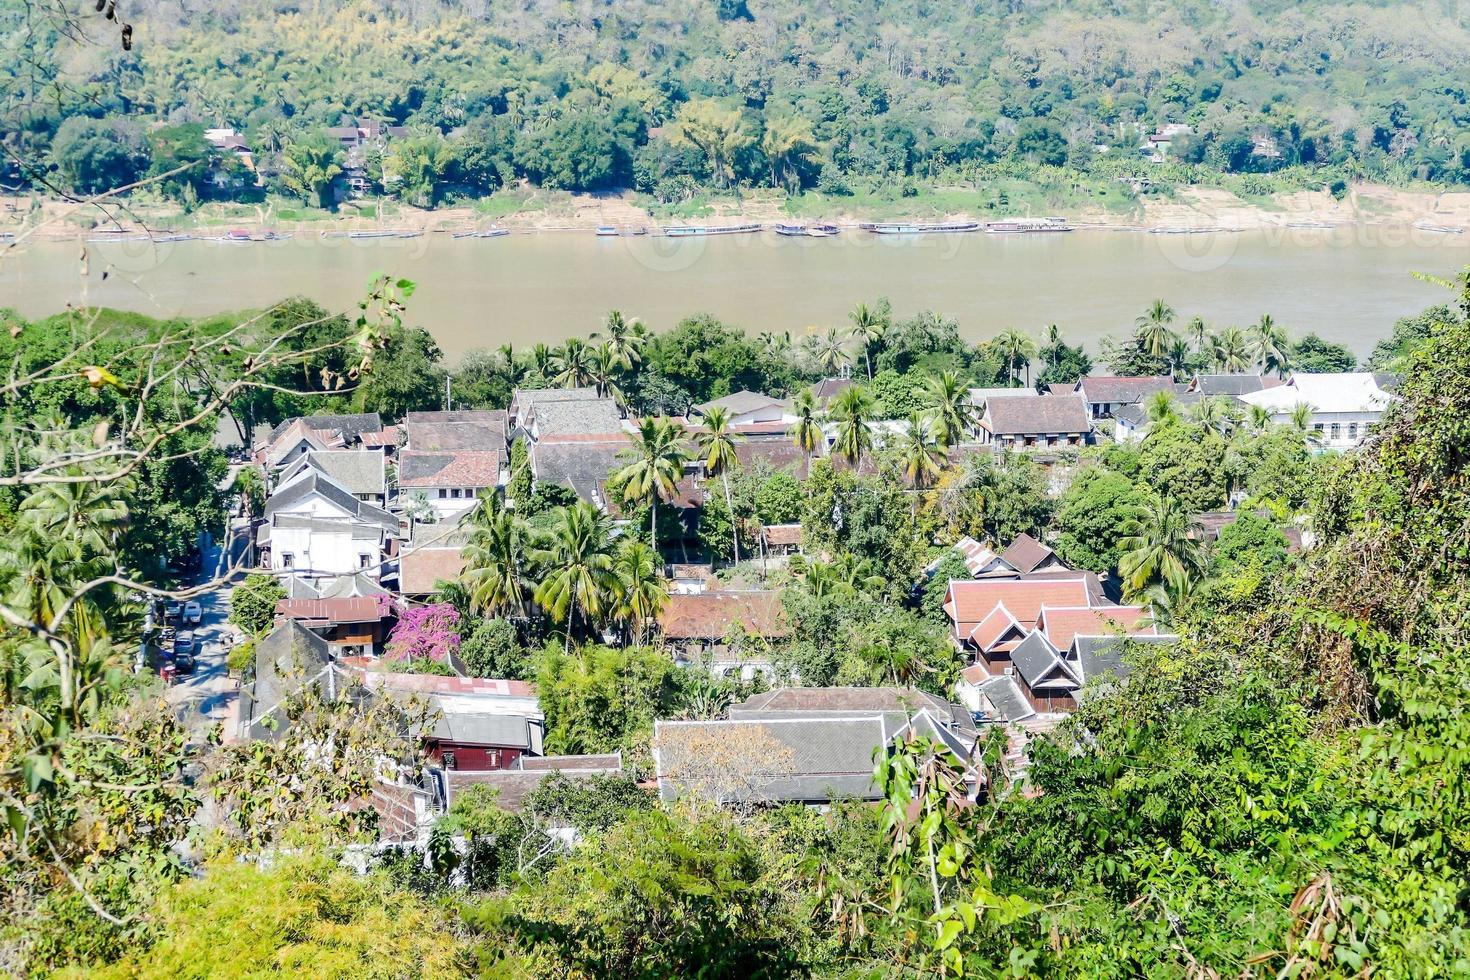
684 98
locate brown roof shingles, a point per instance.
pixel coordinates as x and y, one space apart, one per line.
467 468
422 569
1025 415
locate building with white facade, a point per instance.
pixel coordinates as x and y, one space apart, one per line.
1344 407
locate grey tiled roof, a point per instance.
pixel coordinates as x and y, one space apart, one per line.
582 466
830 758
793 702
1006 698
1227 384
1098 656
287 658
481 727
317 482
1122 391
1023 415
351 426
448 431
575 418
740 402
1033 658
359 471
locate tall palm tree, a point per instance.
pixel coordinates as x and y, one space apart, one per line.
543 360
869 327
580 580
775 344
1230 351
1177 357
852 410
949 401
716 444
1152 328
1161 546
922 456
830 352
641 590
495 557
573 364
1197 329
89 515
657 466
1016 350
603 367
806 433
624 339
1271 345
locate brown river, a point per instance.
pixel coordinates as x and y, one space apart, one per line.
1347 284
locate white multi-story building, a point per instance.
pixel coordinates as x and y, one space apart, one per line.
1343 406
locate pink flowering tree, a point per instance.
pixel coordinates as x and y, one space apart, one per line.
425 632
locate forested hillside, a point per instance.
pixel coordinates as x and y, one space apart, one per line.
675 98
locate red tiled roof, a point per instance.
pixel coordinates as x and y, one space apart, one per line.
993 627
971 601
420 570
466 468
1061 626
1025 553
436 684
376 440
709 615
352 609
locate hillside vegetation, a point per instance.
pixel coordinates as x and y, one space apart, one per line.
676 99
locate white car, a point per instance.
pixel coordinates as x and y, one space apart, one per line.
193 612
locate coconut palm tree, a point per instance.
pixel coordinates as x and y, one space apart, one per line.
776 345
657 466
580 580
1177 357
89 516
922 456
1161 409
1230 351
603 367
495 557
1161 546
624 339
716 444
1016 350
1258 419
1212 416
852 410
949 401
869 326
572 363
1198 330
1300 419
806 433
1271 345
1152 328
641 590
543 360
829 351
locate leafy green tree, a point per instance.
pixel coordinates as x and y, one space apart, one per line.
1152 328
253 603
417 167
406 376
97 155
310 166
1091 517
951 406
491 649
642 592
496 558
579 580
173 147
1310 354
598 699
778 499
720 134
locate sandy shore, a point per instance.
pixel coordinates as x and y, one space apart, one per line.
1189 209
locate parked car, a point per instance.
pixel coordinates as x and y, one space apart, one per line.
183 662
193 612
184 642
173 610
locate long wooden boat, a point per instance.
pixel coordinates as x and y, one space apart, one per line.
487 233
612 231
814 229
1023 226
691 231
916 228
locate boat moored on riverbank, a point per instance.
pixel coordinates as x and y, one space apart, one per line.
916 228
692 231
814 229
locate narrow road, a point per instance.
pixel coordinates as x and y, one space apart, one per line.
210 695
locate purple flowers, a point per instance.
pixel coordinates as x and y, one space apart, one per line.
430 632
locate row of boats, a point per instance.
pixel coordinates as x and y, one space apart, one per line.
238 235
822 229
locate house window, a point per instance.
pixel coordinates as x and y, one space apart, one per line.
1336 432
363 561
456 493
1353 431
443 493
288 560
1317 428
449 762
